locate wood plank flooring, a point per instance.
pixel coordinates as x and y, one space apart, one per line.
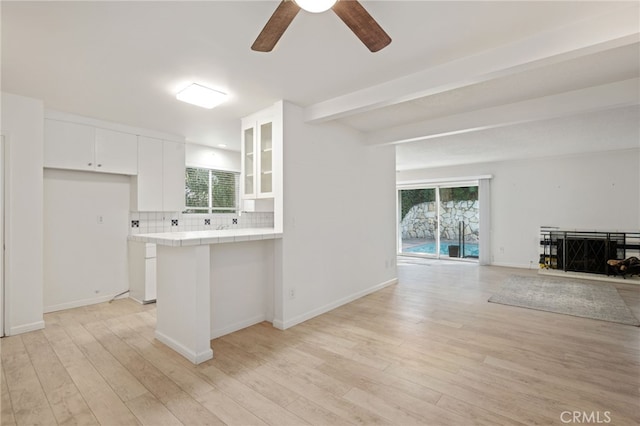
427 351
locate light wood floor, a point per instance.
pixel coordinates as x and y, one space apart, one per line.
429 350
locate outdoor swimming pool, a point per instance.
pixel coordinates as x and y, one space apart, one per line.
470 249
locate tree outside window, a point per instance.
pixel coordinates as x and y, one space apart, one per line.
210 191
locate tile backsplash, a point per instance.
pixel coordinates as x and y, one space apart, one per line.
151 222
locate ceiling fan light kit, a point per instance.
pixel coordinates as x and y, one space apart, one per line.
351 12
315 6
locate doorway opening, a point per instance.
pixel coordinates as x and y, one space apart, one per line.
441 221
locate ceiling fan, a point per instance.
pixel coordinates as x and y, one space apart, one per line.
351 12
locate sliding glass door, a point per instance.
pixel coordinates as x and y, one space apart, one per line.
440 221
419 221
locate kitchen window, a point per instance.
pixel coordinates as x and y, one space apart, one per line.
211 191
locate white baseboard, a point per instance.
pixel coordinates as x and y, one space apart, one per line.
25 328
283 325
221 331
80 303
194 357
515 265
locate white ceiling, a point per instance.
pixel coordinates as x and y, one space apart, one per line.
459 80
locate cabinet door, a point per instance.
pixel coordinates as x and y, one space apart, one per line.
68 145
248 162
265 163
149 180
116 152
173 180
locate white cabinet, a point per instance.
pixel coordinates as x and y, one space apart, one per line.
159 185
82 147
173 181
147 186
116 152
258 144
142 271
264 149
248 161
69 145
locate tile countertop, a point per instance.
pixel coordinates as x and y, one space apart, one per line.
195 238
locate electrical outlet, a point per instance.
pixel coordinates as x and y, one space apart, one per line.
100 219
292 293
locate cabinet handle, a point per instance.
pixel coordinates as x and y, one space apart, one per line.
99 165
88 164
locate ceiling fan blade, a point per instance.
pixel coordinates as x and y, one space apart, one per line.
362 24
276 26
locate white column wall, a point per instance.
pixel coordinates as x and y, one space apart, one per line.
339 218
22 124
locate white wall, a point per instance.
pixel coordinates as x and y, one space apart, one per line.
339 219
212 158
22 124
85 261
596 191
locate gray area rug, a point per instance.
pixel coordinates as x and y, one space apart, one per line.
598 300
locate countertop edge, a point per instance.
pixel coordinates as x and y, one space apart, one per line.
194 238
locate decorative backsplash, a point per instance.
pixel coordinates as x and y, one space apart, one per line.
143 223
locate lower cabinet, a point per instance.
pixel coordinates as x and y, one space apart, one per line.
142 272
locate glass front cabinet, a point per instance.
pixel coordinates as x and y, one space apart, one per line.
257 158
248 162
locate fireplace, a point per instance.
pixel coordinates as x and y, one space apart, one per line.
585 251
586 254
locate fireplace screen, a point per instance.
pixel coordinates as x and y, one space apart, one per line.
580 251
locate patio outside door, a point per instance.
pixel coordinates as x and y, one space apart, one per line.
439 221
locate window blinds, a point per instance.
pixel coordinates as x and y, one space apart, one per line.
211 191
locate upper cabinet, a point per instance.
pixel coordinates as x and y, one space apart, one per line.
265 148
116 152
173 181
248 161
147 188
69 145
262 162
159 185
82 147
257 157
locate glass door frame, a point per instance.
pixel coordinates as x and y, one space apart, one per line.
3 198
436 186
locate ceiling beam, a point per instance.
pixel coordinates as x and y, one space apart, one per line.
616 29
606 96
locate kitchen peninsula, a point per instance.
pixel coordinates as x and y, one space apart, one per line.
211 283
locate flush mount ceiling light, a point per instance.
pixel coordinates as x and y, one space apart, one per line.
201 96
316 6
